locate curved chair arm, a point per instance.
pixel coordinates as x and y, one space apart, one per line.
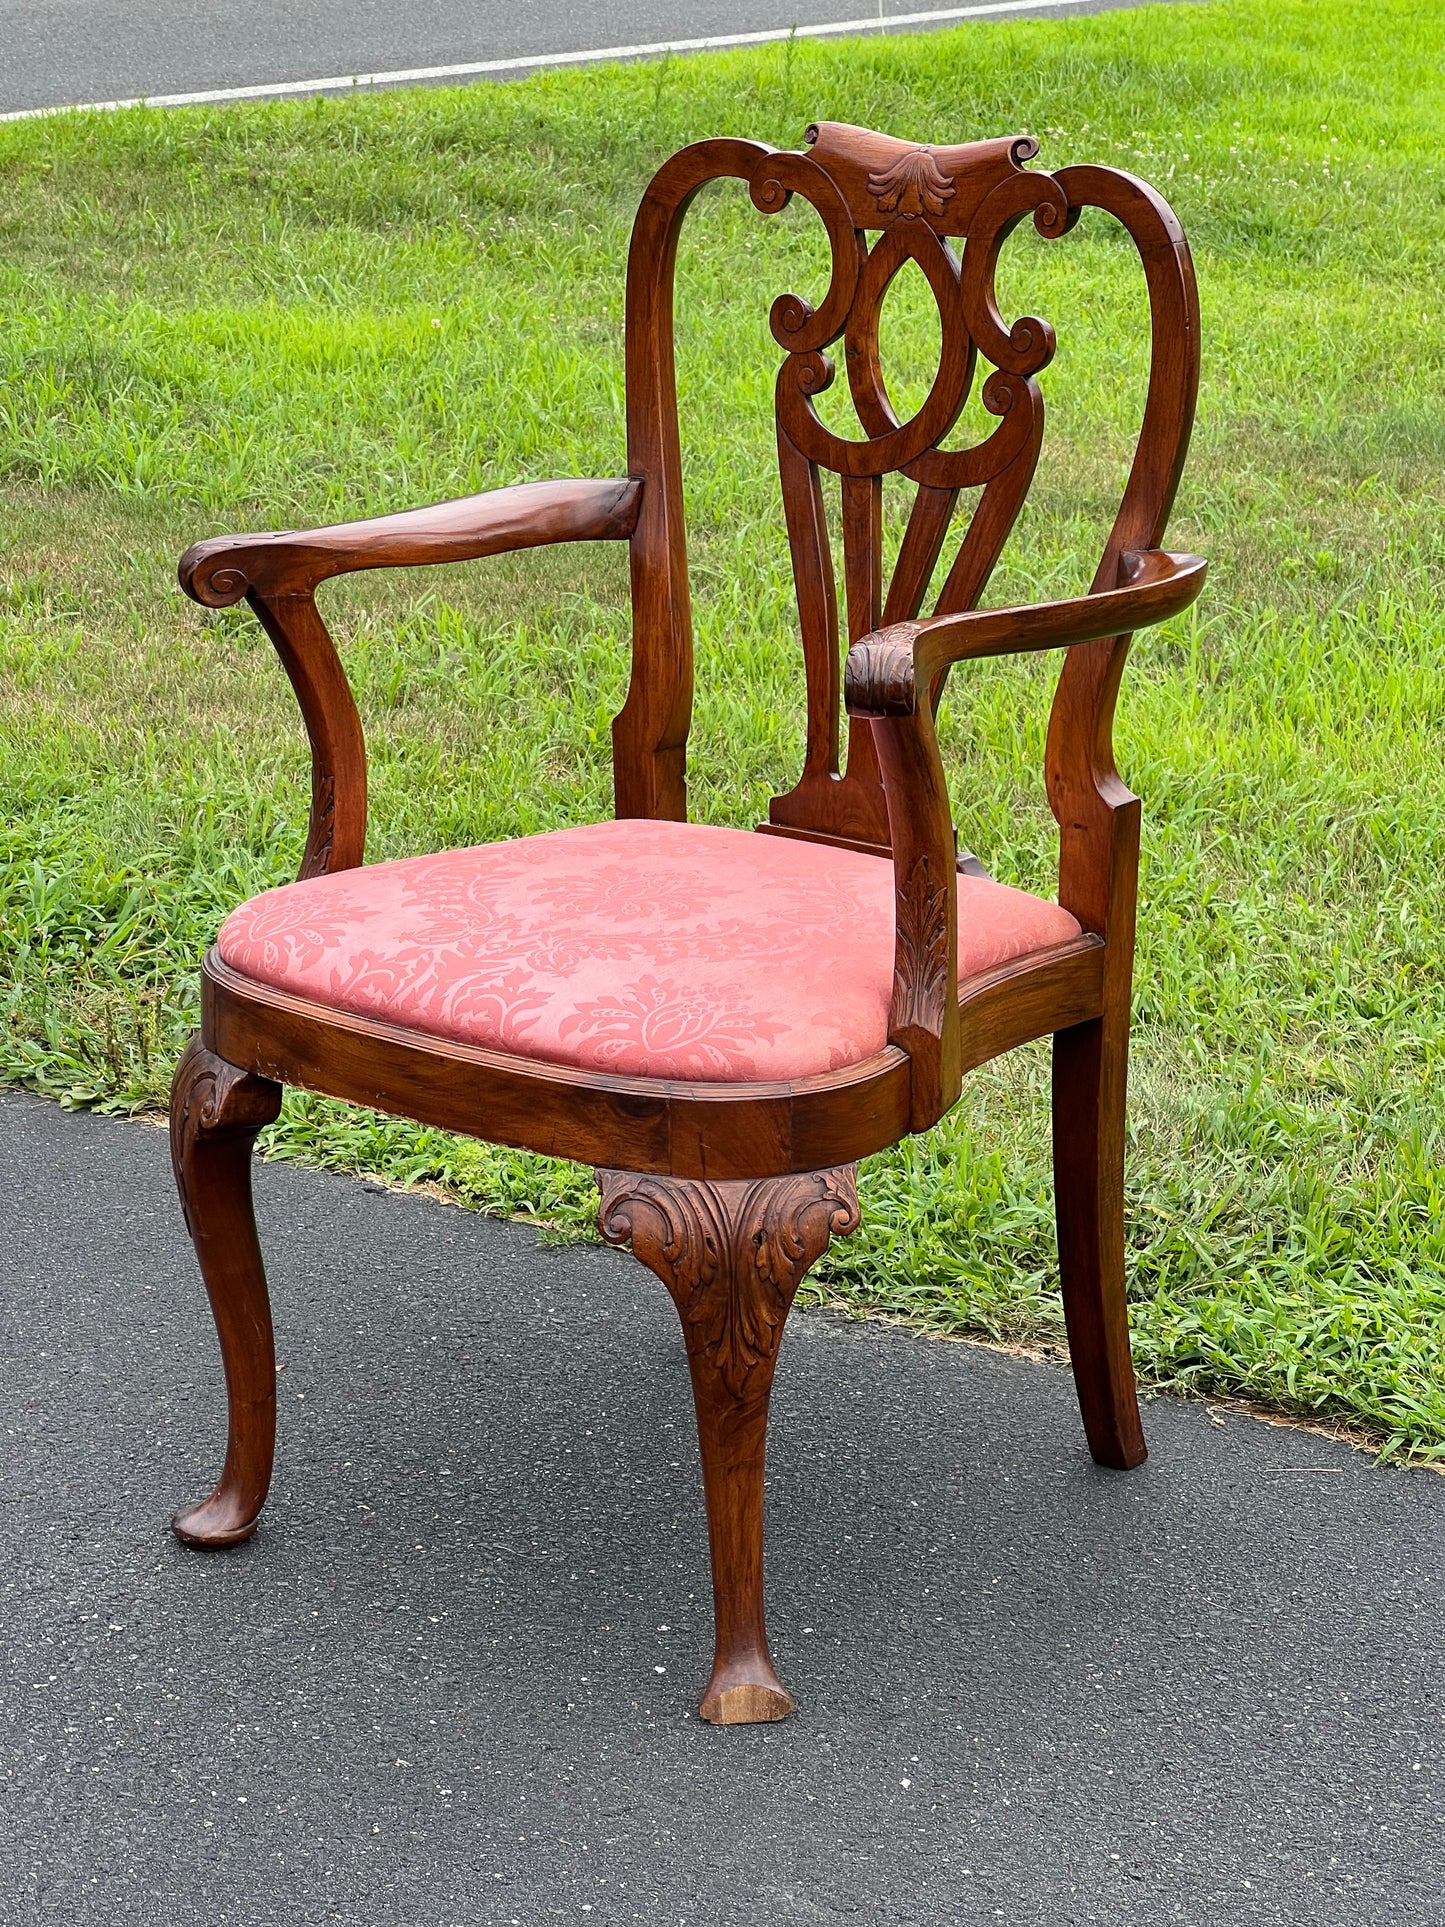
886 675
886 670
279 574
221 570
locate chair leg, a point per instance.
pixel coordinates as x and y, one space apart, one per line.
216 1112
1090 1071
732 1254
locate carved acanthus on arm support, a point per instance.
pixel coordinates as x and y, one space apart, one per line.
891 678
279 575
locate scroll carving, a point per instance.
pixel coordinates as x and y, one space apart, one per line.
883 204
215 1100
878 675
795 324
732 1254
216 582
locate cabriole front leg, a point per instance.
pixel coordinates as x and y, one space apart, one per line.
732 1254
216 1113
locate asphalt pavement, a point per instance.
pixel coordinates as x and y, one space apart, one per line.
68 52
452 1678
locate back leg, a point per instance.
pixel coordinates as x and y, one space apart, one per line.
216 1113
1090 1074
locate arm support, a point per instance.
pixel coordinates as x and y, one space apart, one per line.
886 670
890 678
278 576
220 571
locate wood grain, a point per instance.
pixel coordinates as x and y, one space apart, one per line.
226 567
729 1191
732 1256
216 1114
279 574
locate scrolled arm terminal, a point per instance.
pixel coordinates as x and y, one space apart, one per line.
279 574
886 670
221 570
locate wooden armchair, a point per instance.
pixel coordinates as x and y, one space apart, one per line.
722 1023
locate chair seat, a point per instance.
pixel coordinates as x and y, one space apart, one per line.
647 949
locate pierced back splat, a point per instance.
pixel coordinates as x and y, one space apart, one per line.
914 202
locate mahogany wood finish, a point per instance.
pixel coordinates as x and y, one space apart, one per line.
730 1191
216 1113
279 575
733 1256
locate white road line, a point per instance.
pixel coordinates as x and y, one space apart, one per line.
469 69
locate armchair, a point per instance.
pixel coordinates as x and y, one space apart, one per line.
721 1022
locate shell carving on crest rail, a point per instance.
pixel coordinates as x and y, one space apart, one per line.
915 184
883 203
916 197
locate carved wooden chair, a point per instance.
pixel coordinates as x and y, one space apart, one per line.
720 1022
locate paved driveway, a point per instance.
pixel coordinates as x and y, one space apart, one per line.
55 52
451 1679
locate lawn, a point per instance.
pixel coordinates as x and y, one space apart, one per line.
274 315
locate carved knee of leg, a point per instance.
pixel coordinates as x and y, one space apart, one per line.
216 1112
732 1254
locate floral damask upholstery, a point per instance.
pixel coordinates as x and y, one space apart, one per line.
650 949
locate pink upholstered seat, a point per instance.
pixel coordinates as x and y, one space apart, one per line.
643 948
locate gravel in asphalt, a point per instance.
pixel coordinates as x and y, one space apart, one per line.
451 1680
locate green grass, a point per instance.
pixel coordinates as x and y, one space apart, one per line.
273 315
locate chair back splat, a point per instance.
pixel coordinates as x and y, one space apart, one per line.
882 203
